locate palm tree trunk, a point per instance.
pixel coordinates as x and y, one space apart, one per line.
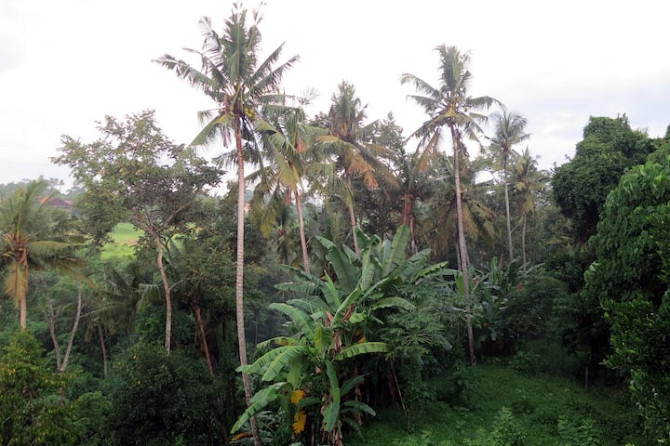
239 279
462 245
166 291
103 349
352 216
352 219
301 224
408 219
23 306
523 241
507 213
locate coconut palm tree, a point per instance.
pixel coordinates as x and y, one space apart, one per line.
29 244
233 76
349 144
509 131
441 219
528 181
450 107
286 138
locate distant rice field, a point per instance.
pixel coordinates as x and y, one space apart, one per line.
124 238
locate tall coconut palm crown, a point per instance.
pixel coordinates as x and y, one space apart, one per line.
450 106
233 77
509 131
28 245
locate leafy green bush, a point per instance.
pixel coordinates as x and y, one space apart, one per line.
32 411
584 434
160 398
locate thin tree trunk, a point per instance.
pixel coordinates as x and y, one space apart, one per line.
70 340
408 219
352 217
52 332
103 349
239 279
303 240
462 245
195 306
523 241
23 306
507 213
166 290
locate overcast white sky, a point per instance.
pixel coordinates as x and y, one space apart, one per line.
66 64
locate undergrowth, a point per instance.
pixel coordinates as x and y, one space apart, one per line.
502 407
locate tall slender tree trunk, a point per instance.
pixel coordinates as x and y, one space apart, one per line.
23 306
507 213
239 279
61 365
523 241
166 291
352 220
301 224
408 219
75 325
103 349
462 244
52 332
195 307
352 217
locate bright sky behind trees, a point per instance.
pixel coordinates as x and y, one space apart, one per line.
66 64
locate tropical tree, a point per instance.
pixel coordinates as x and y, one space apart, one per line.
528 181
332 319
449 106
29 243
349 143
232 75
30 410
580 186
139 175
509 131
440 218
285 138
630 278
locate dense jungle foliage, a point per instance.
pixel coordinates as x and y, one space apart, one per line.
356 284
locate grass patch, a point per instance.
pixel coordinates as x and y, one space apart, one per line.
124 238
510 408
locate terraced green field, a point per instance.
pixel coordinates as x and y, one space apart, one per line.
124 238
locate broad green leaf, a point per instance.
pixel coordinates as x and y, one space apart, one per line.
347 276
359 406
334 382
395 301
342 309
283 359
332 411
351 383
302 321
397 252
258 402
308 401
263 361
360 349
330 293
367 270
330 416
279 340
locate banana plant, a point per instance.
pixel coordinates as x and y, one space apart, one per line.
307 361
329 317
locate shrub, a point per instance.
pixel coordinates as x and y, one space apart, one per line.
160 398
